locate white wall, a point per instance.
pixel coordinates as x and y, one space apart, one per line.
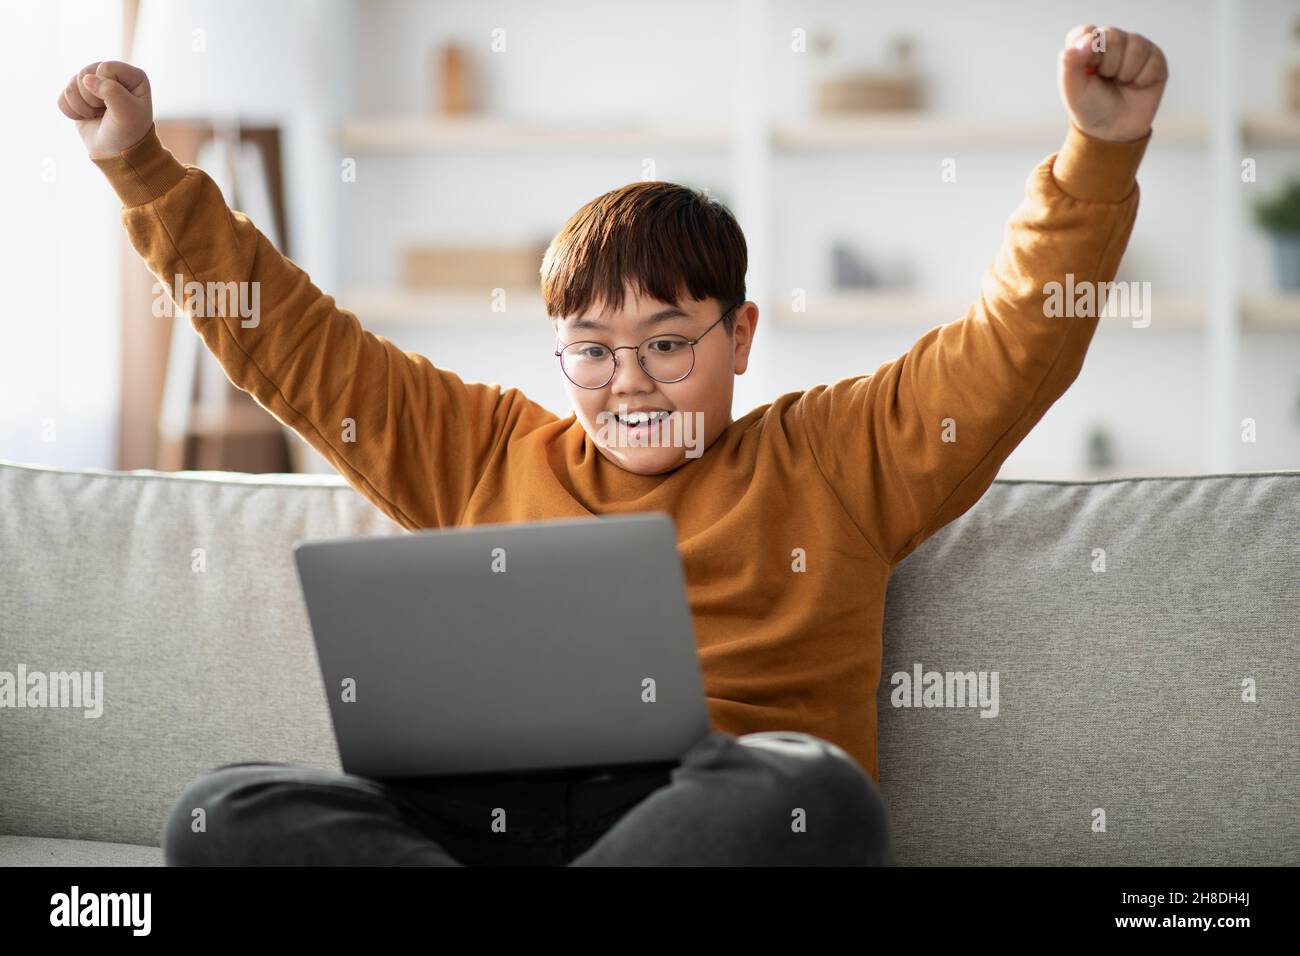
59 284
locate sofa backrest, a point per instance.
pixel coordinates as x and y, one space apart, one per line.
181 589
1145 634
1119 691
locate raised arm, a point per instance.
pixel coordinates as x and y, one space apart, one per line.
412 438
915 444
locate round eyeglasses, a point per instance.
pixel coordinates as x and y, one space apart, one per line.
665 358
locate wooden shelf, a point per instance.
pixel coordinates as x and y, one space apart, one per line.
1279 312
832 310
399 307
414 133
904 310
883 310
927 131
890 310
818 133
1280 131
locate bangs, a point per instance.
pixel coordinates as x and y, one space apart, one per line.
664 240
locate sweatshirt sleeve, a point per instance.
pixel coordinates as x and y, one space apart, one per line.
915 444
412 438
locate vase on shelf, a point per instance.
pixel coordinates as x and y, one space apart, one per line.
1101 451
1280 218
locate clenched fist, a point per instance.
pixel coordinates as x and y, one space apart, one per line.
110 102
1111 81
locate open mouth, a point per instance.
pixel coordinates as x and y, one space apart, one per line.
642 419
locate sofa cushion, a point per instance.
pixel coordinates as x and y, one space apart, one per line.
1120 691
181 590
47 851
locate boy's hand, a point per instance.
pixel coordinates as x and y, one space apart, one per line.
1111 93
109 101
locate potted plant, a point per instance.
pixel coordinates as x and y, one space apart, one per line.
1280 216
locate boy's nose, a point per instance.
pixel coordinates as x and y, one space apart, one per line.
629 373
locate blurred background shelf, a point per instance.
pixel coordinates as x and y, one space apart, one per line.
921 131
907 310
415 134
1272 312
401 308
1275 131
926 131
864 310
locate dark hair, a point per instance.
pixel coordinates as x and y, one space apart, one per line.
664 239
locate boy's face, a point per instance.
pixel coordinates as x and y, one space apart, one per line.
700 403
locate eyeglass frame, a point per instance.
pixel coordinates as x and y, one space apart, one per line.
614 352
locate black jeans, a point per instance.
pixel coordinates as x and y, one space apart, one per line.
764 799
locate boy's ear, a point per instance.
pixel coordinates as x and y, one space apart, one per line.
744 341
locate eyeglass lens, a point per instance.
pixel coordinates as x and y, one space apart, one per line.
665 358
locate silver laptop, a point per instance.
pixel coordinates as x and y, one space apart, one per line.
509 647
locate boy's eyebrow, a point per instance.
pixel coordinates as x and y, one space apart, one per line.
663 315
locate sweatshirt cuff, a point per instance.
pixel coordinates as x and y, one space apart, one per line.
1097 170
142 172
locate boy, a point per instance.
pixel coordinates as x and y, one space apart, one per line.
789 521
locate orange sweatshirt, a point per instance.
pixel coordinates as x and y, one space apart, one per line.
788 525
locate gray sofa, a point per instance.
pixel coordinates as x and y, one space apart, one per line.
1121 735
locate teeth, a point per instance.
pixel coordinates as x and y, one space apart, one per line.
642 418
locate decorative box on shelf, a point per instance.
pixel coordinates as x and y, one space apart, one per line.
866 91
460 266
